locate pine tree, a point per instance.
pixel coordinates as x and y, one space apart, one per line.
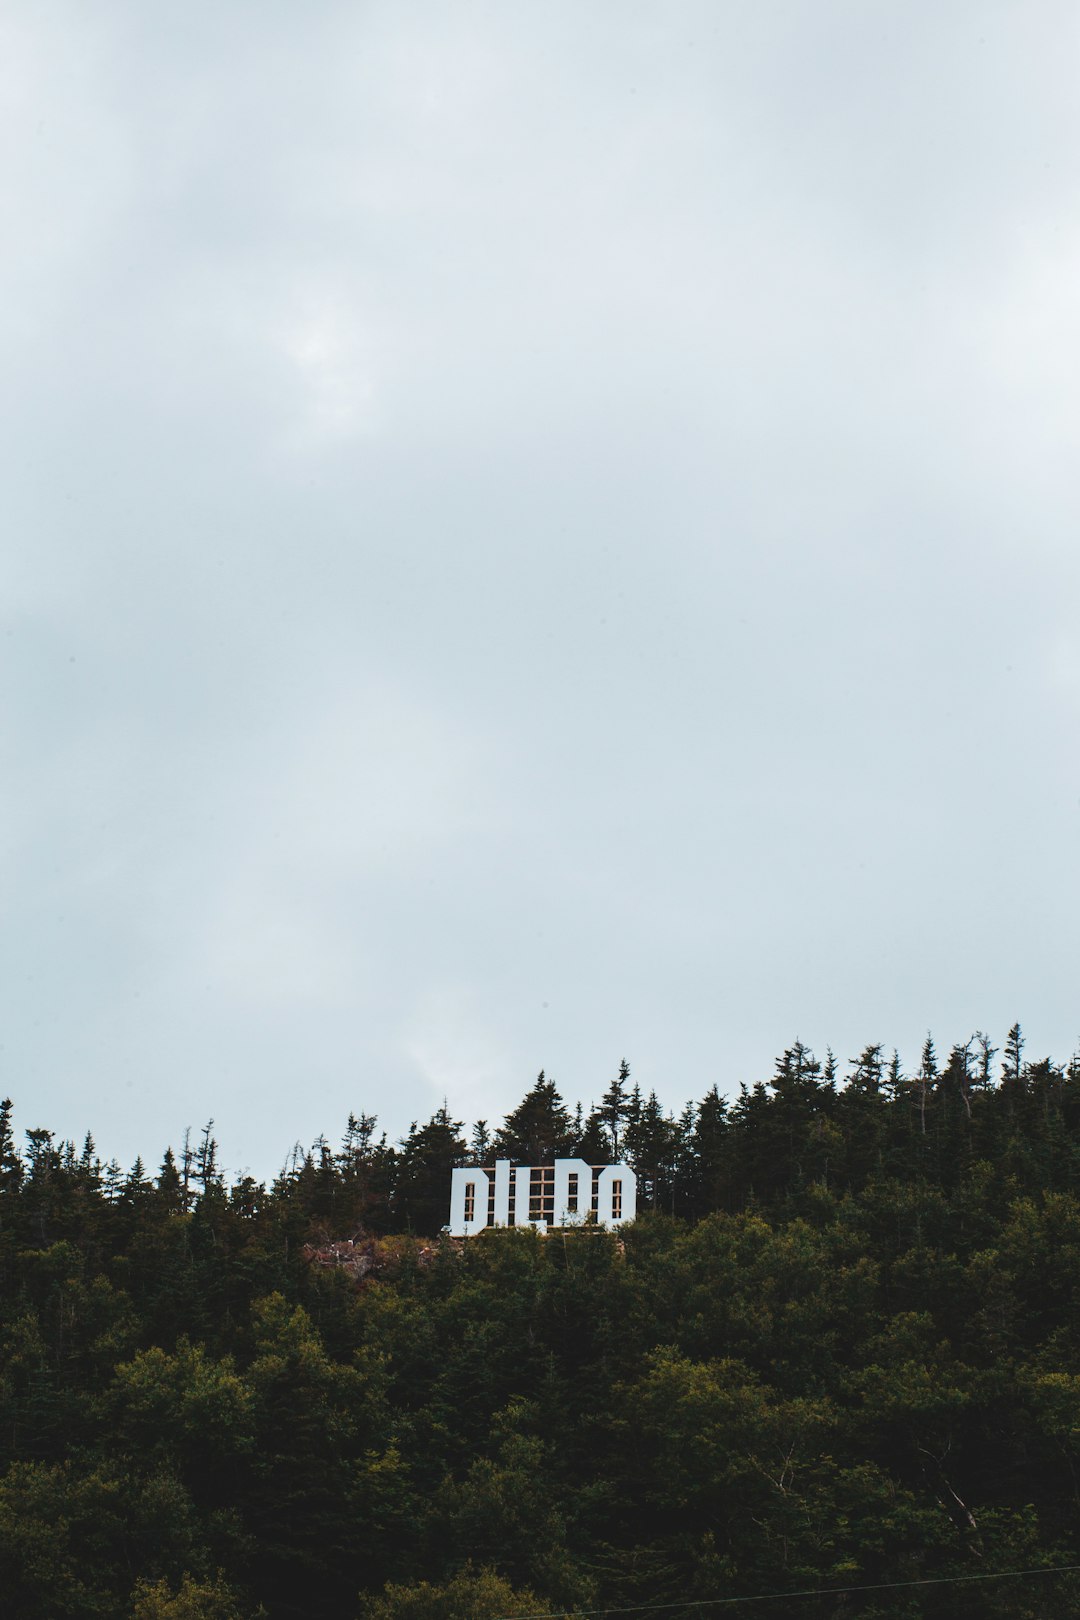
89 1163
187 1166
591 1142
778 1139
356 1143
170 1192
651 1144
615 1108
11 1167
538 1131
323 1196
925 1079
706 1176
1012 1063
985 1055
39 1193
137 1186
421 1197
958 1073
1012 1070
862 1115
206 1166
894 1078
480 1150
362 1171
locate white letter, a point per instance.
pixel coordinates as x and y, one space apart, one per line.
573 1201
468 1201
502 1192
522 1182
616 1195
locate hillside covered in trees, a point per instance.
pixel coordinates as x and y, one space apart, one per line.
839 1348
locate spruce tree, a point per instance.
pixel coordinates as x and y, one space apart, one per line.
615 1107
593 1143
651 1144
1012 1062
538 1131
11 1167
206 1166
421 1197
1012 1070
170 1194
706 1171
480 1143
924 1080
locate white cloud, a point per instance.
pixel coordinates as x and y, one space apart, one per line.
1061 666
450 1042
368 791
333 351
553 510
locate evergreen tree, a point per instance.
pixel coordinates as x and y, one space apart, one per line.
11 1168
538 1131
592 1143
365 1170
862 1116
616 1107
187 1168
706 1179
1012 1063
925 1079
985 1054
138 1185
894 1079
421 1197
169 1187
41 1194
89 1163
206 1166
480 1146
652 1145
1012 1072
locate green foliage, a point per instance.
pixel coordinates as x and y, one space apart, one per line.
71 1532
539 1129
428 1155
193 1600
187 1408
472 1595
839 1347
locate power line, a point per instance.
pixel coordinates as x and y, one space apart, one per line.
810 1591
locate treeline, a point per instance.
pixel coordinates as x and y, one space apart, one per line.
839 1348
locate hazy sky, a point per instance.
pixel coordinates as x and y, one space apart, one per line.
532 533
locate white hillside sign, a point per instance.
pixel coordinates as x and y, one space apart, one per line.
566 1193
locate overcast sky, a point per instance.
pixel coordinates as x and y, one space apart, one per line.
532 534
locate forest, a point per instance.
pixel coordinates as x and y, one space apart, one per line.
832 1368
